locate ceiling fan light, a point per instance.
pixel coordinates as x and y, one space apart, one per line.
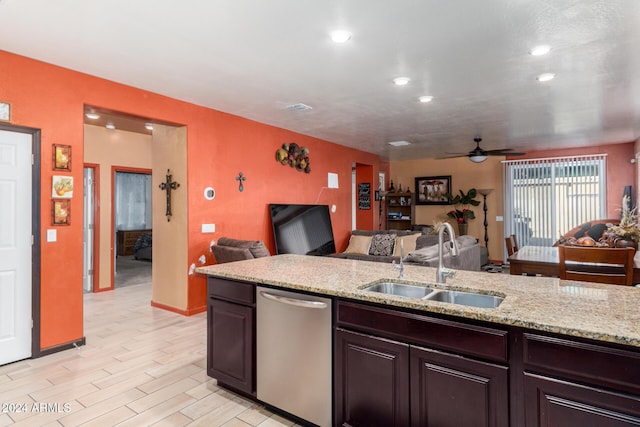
478 158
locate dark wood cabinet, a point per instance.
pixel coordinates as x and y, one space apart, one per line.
383 382
371 381
554 402
451 390
231 334
573 383
126 241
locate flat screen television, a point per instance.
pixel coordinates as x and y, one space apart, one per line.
302 229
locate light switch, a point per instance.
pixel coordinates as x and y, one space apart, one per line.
52 235
499 218
332 180
208 228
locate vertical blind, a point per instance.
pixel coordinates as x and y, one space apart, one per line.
133 201
545 198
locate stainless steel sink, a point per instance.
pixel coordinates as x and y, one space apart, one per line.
465 298
426 293
400 289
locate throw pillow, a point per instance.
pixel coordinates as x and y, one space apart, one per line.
408 244
382 244
358 245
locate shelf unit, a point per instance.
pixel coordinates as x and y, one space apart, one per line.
400 211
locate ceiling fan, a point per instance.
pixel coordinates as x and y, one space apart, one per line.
478 155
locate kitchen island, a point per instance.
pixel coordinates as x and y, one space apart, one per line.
552 352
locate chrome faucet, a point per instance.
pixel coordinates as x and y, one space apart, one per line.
399 267
443 272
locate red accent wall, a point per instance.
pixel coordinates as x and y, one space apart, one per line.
219 146
620 170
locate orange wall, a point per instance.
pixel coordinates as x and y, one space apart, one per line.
219 146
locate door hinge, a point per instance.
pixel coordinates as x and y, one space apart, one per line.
33 159
32 240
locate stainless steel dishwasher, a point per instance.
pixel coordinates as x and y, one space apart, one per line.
293 353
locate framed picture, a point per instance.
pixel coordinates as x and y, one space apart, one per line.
60 212
61 157
431 190
61 187
5 111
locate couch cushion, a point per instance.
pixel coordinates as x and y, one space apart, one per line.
255 247
358 244
224 254
465 241
382 244
408 244
426 240
423 254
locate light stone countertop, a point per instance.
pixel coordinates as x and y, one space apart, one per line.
601 312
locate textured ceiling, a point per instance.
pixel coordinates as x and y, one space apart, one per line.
254 58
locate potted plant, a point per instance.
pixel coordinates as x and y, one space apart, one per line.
461 213
626 233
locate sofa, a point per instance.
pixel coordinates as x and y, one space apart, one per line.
417 248
229 250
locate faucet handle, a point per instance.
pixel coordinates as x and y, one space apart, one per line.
449 272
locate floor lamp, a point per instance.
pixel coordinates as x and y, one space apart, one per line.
485 192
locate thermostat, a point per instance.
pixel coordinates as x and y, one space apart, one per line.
209 193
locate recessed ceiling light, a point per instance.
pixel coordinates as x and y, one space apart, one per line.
92 116
299 107
148 126
426 98
545 77
399 143
401 81
341 36
110 126
540 50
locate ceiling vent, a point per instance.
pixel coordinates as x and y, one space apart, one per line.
298 107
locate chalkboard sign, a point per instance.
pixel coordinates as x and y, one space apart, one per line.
364 195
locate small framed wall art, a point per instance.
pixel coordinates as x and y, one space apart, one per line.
432 190
61 157
60 212
5 111
62 187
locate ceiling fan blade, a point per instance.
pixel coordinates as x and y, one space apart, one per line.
453 156
504 153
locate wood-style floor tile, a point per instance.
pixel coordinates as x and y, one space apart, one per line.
141 366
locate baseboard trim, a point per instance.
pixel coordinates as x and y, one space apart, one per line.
188 312
61 347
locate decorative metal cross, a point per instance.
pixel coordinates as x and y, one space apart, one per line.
240 180
168 186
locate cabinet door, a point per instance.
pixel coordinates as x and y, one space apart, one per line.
451 390
371 381
231 348
553 402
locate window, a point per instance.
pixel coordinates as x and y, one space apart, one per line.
132 201
545 198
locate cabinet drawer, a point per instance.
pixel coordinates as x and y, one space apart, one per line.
417 329
231 290
595 364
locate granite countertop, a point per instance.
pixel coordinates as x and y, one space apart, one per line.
589 310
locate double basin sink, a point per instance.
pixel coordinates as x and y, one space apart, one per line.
430 294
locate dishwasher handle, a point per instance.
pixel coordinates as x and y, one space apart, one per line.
294 301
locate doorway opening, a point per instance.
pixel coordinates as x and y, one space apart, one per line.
132 220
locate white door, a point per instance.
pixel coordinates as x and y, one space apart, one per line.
15 246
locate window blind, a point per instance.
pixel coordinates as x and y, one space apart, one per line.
545 198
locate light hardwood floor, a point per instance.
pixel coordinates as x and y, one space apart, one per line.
141 366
